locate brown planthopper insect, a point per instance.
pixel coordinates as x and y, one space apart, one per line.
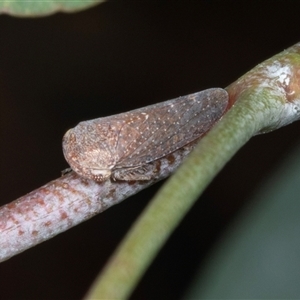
125 146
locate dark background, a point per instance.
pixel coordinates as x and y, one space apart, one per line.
59 70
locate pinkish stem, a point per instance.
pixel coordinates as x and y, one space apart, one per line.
66 202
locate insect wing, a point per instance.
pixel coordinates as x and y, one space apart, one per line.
154 131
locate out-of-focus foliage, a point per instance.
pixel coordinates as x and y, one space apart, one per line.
38 8
260 256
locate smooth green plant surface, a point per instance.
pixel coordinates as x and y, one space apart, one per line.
258 258
37 8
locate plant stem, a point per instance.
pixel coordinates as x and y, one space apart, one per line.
170 205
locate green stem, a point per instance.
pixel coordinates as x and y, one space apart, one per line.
254 111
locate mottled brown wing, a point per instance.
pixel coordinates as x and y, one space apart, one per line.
154 131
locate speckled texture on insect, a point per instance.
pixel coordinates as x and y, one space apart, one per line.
125 146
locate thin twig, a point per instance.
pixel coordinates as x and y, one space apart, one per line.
66 202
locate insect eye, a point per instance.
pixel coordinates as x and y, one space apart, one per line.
98 178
